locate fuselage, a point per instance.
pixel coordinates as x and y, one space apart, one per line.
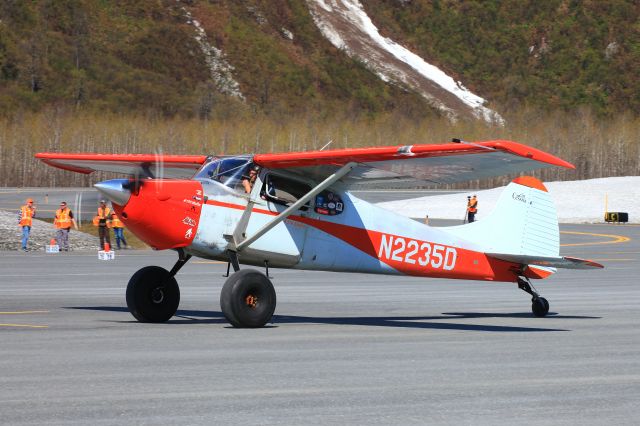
361 238
335 231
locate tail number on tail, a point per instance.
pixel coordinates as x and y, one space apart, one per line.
400 249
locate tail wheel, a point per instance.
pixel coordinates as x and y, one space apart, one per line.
248 299
152 296
540 306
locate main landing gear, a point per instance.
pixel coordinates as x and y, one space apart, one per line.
248 298
539 305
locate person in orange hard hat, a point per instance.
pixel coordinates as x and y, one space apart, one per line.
63 221
25 220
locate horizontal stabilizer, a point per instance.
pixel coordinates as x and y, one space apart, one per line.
549 262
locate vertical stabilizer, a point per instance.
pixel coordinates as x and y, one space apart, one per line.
524 222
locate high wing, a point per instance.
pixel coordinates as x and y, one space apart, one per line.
410 164
148 165
376 167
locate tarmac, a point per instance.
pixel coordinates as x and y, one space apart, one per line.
342 348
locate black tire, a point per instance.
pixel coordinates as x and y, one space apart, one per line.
152 296
248 299
540 306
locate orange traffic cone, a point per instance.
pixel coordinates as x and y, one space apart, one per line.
107 247
52 242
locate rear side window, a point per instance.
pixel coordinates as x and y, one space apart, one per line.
282 190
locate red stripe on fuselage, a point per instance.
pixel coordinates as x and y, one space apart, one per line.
408 255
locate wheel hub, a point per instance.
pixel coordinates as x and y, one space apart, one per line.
157 295
251 300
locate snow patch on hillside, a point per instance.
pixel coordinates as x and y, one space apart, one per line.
581 201
347 26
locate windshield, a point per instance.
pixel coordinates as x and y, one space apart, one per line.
228 171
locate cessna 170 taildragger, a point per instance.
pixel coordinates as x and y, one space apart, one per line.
300 214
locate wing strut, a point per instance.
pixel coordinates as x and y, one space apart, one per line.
341 172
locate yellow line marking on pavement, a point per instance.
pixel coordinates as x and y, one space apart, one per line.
24 325
615 239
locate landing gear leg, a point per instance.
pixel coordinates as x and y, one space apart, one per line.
539 305
182 260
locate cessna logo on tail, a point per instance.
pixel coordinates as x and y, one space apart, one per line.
519 197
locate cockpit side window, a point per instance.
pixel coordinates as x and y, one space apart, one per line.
228 171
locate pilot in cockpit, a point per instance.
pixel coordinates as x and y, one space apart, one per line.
248 181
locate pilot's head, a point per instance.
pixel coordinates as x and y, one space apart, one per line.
253 172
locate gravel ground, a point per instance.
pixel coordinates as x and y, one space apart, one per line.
41 234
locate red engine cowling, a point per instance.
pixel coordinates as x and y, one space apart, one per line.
164 213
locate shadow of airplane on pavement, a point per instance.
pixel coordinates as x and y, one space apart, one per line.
417 322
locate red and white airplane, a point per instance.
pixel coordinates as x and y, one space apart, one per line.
301 214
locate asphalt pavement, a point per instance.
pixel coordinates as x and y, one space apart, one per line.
342 348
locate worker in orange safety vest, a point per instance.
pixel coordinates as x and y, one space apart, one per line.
103 221
63 221
118 230
25 220
472 208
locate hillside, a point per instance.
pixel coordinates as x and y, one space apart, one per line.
181 58
551 54
214 59
238 76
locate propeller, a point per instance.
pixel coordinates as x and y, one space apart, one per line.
139 176
147 170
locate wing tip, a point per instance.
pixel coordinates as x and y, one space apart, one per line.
531 153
